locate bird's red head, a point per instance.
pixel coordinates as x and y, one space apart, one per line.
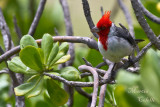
104 25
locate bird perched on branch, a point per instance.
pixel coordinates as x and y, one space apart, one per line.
114 42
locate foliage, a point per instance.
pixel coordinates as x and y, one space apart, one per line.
140 90
34 61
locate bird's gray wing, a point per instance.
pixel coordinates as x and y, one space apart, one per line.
124 33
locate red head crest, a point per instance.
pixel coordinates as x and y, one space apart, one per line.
104 25
105 21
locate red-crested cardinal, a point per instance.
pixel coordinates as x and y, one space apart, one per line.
114 42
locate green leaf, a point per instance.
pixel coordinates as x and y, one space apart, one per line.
41 54
127 78
59 55
109 98
150 74
94 57
47 98
27 40
53 53
37 89
63 59
64 47
70 73
58 96
46 44
16 65
33 78
25 88
31 57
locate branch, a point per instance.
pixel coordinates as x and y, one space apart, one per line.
101 64
87 14
90 42
9 53
128 17
138 57
69 30
37 17
87 62
8 45
70 91
77 83
99 71
5 32
75 39
148 14
67 18
71 83
103 87
96 82
150 34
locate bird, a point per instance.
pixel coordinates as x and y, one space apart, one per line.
114 42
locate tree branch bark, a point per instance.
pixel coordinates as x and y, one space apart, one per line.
139 15
35 22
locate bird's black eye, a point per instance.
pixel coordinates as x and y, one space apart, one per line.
102 28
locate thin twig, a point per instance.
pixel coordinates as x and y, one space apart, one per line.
87 62
56 32
87 14
128 17
102 12
101 64
70 91
133 70
150 34
85 74
138 57
17 29
103 87
82 92
35 22
99 71
4 71
96 82
107 61
149 14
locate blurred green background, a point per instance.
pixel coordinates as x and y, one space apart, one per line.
52 17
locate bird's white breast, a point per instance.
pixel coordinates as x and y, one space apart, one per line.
117 48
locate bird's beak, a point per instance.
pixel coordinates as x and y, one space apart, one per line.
95 30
